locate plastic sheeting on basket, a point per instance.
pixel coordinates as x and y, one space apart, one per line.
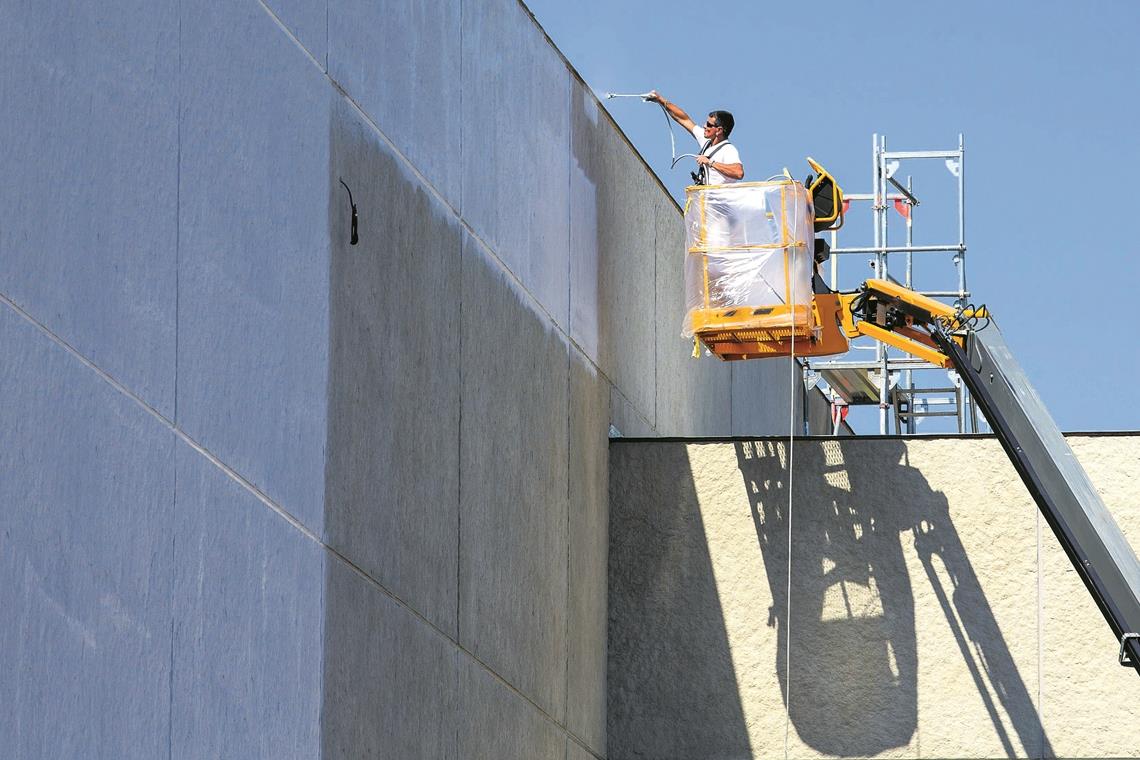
748 244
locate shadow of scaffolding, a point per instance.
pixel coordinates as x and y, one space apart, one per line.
851 631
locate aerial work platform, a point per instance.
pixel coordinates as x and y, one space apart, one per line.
750 252
750 255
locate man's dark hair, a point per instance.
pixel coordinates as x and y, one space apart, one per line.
724 119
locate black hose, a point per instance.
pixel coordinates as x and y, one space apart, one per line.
355 237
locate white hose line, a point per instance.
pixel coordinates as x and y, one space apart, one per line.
791 476
668 125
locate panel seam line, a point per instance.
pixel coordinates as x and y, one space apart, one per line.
459 371
173 597
435 191
267 501
178 214
569 408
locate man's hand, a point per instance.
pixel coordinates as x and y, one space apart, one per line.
732 171
655 97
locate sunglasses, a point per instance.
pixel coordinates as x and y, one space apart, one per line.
711 126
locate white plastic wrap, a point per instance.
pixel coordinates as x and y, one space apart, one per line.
748 244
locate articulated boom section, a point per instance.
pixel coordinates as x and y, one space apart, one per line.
972 344
881 310
901 318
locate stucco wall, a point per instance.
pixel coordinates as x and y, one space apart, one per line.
929 611
269 494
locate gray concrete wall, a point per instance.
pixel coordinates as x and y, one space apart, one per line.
270 494
928 612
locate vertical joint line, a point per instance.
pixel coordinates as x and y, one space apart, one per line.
177 213
459 437
569 401
791 474
569 216
173 582
569 533
459 460
459 500
656 368
462 123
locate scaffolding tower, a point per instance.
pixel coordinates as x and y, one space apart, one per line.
889 380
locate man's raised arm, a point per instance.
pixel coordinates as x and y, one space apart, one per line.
673 110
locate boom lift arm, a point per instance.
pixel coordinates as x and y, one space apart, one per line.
972 344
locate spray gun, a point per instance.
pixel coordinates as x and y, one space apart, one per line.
645 96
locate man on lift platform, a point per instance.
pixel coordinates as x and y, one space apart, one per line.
718 161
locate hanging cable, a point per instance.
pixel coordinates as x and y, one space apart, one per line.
967 317
791 475
668 124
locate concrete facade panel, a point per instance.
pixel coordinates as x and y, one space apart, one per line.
495 723
392 492
761 396
391 682
247 623
254 268
513 498
586 118
589 531
388 73
520 213
694 396
85 558
1082 688
88 206
614 206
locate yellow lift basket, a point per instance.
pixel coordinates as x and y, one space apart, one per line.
750 255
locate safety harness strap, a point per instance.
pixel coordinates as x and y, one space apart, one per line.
702 173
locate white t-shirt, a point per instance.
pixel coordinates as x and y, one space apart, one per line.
728 154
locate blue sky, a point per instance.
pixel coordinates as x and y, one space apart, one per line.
1045 94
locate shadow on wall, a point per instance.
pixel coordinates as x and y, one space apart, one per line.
673 690
391 489
852 635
